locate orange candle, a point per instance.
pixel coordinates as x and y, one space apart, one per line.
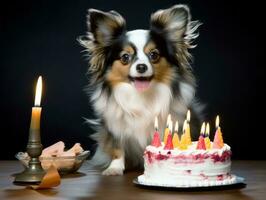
218 142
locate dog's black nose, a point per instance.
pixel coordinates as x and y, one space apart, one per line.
141 68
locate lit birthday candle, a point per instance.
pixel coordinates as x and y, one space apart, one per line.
207 138
202 130
175 136
156 126
184 126
156 136
166 131
169 143
218 142
201 143
187 130
183 144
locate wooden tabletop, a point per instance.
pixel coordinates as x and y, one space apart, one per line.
90 184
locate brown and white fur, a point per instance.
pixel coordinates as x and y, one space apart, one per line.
136 76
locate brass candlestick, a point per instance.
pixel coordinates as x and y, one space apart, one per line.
34 173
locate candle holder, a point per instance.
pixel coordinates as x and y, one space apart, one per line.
34 173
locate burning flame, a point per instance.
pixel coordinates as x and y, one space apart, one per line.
156 123
170 126
176 126
217 121
202 130
208 130
184 126
168 120
38 93
188 116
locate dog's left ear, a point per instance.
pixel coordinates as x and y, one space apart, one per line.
173 21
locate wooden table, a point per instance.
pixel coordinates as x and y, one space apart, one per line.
90 184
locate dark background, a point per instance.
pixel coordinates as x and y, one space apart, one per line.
39 38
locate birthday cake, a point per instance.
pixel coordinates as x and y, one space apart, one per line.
184 163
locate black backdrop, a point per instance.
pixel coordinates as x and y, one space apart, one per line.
39 38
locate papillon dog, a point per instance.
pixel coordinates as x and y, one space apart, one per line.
135 76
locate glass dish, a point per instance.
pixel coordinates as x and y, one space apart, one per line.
64 164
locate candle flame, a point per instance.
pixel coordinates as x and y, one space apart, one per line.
176 126
202 130
168 120
170 126
38 93
156 123
217 121
188 116
208 129
184 126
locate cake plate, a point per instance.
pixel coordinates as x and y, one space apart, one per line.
237 184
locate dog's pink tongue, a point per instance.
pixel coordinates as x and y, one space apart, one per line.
141 85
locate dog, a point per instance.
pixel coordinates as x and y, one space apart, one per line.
136 76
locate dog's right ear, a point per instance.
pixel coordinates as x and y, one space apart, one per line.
105 26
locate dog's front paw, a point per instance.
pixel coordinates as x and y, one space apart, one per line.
116 167
113 171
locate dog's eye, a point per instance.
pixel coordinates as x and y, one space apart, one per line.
154 55
125 58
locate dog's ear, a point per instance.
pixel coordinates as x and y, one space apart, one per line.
105 26
173 22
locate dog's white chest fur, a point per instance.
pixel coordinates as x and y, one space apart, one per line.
129 114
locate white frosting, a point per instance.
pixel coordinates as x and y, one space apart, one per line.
189 167
191 150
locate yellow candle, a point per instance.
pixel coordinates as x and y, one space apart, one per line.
166 131
183 143
187 130
207 138
184 127
36 110
175 136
